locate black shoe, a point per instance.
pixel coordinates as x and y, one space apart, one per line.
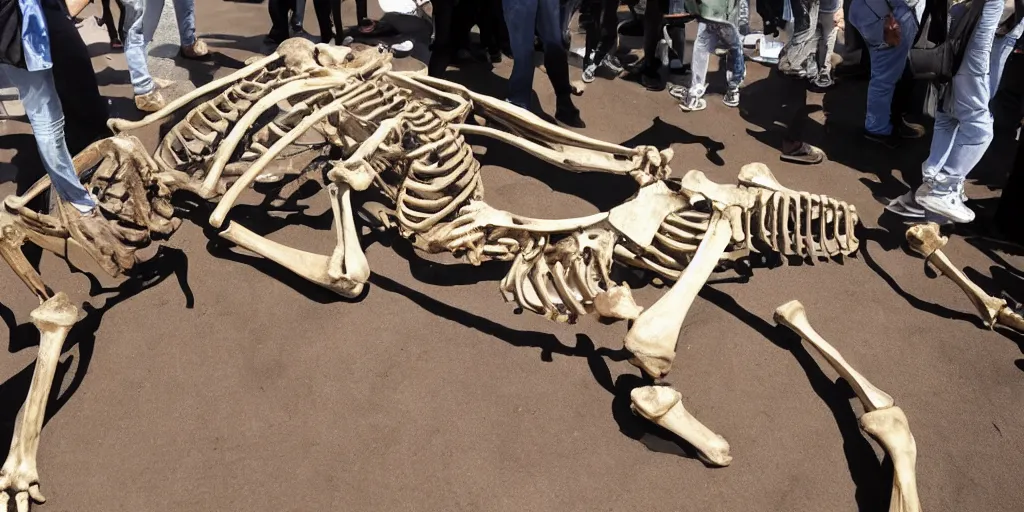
906 129
612 64
891 141
652 81
569 116
494 56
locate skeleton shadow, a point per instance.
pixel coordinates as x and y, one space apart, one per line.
872 478
80 342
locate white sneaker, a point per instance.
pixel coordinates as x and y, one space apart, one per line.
906 206
948 205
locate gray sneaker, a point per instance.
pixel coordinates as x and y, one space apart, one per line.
949 205
589 73
731 98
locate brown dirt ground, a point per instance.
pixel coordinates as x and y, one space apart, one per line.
233 385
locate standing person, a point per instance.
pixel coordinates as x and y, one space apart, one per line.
278 10
452 20
602 35
84 109
115 32
147 95
185 12
648 70
524 18
717 26
963 124
1009 31
889 29
324 10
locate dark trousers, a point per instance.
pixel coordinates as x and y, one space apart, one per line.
602 33
116 32
793 109
523 18
451 28
279 10
324 10
654 19
491 21
85 111
1010 210
902 96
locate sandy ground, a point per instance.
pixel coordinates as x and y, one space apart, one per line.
229 384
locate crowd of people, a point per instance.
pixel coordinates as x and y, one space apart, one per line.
967 46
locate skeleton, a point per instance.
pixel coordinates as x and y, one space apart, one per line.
925 240
402 135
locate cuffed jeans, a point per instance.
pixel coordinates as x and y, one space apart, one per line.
523 17
42 106
184 11
887 63
135 47
1001 50
709 34
963 129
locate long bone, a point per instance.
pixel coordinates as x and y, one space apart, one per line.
11 239
664 406
653 337
19 475
882 419
228 145
925 240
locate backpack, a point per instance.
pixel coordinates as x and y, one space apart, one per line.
941 63
10 34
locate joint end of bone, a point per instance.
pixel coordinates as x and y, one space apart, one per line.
655 366
617 303
663 406
56 311
925 239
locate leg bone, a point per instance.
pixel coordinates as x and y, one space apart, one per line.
663 405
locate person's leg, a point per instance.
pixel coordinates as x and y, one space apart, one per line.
887 64
361 15
442 49
609 25
185 12
653 21
322 8
520 18
108 22
743 18
1001 50
298 16
703 45
736 70
152 10
43 108
339 26
792 116
146 96
556 61
278 10
85 110
1010 209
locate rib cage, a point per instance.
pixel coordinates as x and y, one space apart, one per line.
802 224
192 141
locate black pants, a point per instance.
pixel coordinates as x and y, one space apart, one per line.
902 96
654 20
85 111
793 110
490 19
1010 210
279 10
116 32
602 33
324 10
451 27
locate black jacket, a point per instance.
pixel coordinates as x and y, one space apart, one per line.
10 34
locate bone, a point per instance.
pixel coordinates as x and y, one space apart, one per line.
617 303
891 429
121 125
654 335
639 218
696 184
312 267
348 262
19 474
663 406
925 240
11 239
756 174
793 315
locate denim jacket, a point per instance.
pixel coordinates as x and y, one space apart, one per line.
35 38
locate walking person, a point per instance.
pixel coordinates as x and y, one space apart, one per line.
185 13
524 18
602 36
717 26
114 32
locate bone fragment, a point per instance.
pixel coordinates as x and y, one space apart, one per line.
19 475
618 303
663 405
925 240
348 262
756 174
11 239
639 218
793 315
654 335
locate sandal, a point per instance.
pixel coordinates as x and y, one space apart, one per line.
806 154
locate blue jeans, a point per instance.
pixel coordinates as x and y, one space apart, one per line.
135 47
887 63
963 125
1001 50
523 17
42 106
298 15
184 11
709 34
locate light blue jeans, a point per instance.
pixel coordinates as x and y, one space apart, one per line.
42 106
709 34
184 11
963 125
135 47
887 63
1001 50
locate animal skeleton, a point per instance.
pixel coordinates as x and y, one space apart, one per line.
402 134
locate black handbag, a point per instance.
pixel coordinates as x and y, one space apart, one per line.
10 34
941 63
